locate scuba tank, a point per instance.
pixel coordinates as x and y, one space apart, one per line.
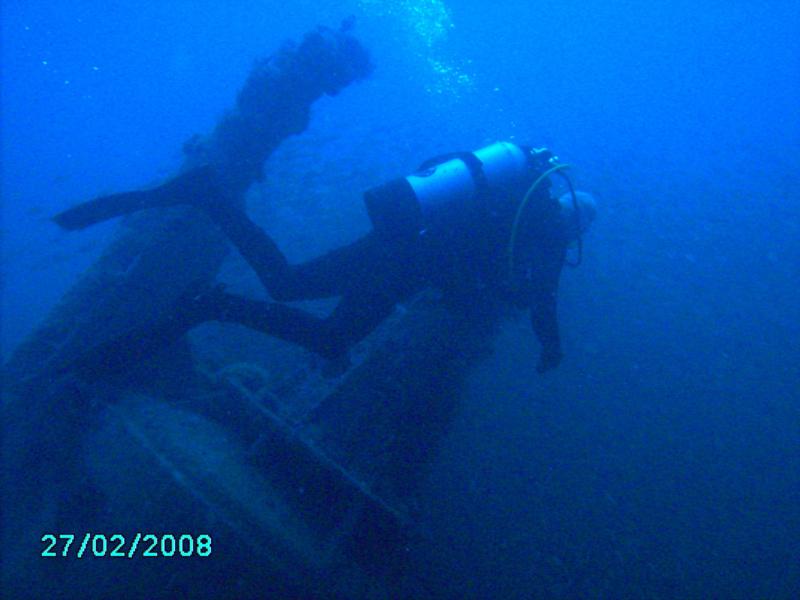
449 190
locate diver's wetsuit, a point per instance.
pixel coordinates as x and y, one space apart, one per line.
370 274
373 273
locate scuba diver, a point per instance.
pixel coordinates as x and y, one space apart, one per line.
463 223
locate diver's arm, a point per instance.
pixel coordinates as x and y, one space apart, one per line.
547 264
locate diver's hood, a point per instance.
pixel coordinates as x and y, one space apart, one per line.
577 223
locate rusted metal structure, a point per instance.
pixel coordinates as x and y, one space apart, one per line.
312 504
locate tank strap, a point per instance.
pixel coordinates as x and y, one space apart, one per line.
473 163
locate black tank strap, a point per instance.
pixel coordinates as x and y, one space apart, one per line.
473 163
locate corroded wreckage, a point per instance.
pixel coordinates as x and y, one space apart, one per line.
302 502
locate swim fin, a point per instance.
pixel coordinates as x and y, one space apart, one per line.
190 187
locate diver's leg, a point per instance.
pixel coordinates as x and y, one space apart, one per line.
330 337
255 246
118 356
323 277
336 271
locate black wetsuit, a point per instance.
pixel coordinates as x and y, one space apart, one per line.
373 273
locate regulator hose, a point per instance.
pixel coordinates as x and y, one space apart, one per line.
524 204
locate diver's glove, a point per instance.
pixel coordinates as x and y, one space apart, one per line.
549 359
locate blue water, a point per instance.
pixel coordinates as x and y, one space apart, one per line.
662 459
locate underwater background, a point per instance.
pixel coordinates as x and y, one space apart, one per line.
662 458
